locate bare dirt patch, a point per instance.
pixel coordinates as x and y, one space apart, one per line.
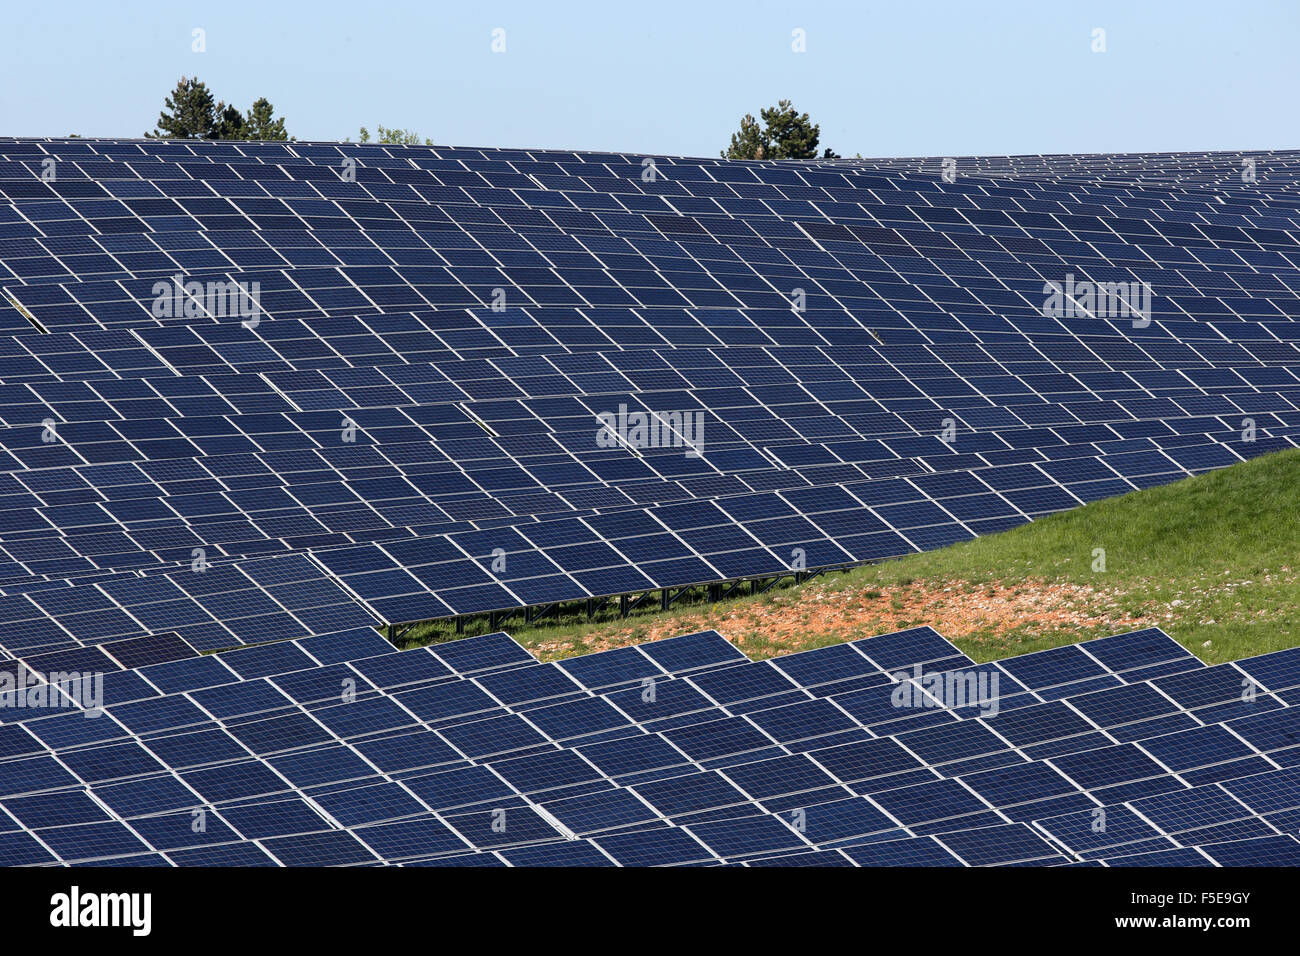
955 609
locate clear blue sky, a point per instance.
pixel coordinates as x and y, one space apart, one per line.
883 79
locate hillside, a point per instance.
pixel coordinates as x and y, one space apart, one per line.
1214 560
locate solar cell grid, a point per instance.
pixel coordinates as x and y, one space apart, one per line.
823 792
364 279
366 452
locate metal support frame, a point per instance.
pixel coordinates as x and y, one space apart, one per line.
633 604
497 618
396 632
717 591
733 589
668 599
537 612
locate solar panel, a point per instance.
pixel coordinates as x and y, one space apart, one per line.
323 766
383 401
481 380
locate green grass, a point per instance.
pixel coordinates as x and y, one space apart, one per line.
1214 558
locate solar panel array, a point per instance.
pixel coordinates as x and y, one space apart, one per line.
859 356
341 750
408 430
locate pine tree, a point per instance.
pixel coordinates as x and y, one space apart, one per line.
260 125
751 142
793 136
394 137
189 113
230 123
784 134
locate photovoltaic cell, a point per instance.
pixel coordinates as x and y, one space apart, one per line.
383 448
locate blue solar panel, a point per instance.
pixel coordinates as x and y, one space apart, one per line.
692 652
923 851
481 421
384 448
999 845
490 652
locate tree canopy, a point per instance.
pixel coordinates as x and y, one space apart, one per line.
189 112
394 137
782 134
259 124
192 112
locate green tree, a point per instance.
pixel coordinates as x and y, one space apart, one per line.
752 142
394 137
783 134
189 112
259 123
230 123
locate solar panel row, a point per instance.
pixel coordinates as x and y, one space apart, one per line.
275 394
918 385
343 751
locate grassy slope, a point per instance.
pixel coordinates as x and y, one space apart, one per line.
1214 558
1225 544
